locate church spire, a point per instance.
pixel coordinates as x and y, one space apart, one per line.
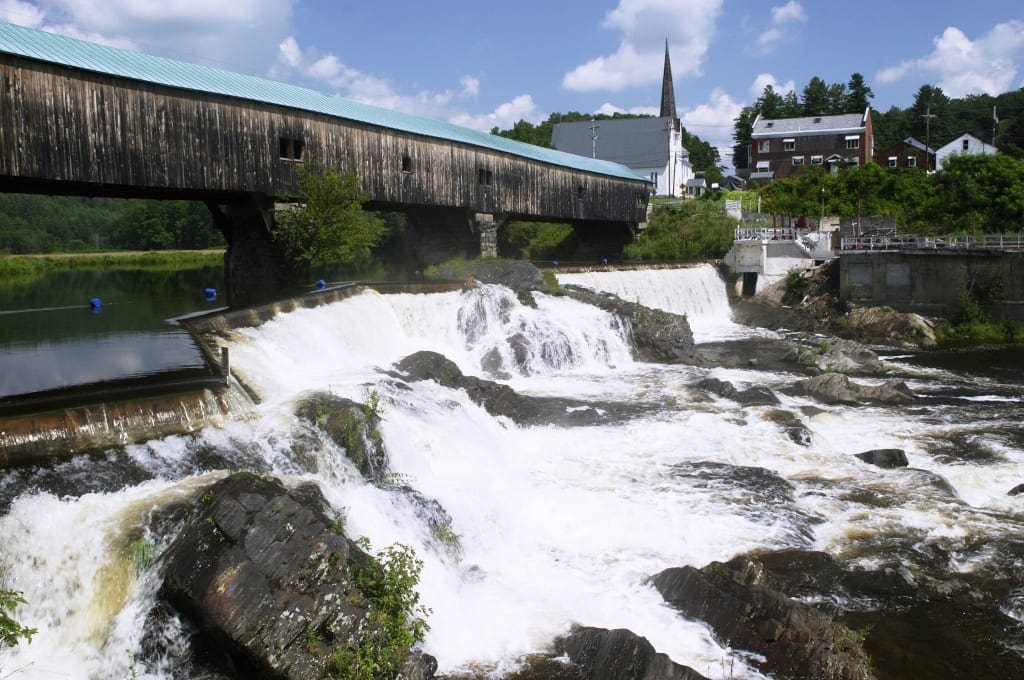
668 95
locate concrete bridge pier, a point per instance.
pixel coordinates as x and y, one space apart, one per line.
254 266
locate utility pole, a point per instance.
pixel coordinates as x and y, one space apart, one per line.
928 115
593 138
995 124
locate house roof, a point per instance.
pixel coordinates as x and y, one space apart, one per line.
70 52
780 127
910 141
696 182
633 142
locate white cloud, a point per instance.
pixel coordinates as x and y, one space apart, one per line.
470 86
21 13
238 35
688 25
961 66
610 109
713 121
783 16
763 79
504 116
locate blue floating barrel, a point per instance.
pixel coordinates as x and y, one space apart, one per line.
320 284
555 263
96 305
639 258
604 260
210 293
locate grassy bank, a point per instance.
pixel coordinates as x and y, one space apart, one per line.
23 266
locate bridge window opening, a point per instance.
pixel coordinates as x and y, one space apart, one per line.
581 192
485 177
406 164
291 149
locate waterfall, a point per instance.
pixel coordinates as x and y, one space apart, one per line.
557 526
698 292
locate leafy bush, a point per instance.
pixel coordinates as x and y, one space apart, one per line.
537 241
12 632
395 621
695 230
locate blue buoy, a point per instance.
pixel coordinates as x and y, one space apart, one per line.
639 258
96 305
211 294
555 263
604 260
320 284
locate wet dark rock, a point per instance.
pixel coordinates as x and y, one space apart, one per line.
752 396
1016 491
502 400
835 388
262 576
518 275
791 425
796 640
885 458
621 655
658 337
934 480
353 426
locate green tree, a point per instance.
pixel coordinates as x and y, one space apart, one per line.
742 129
858 94
12 632
329 225
982 193
696 230
815 98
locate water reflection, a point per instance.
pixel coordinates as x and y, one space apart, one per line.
52 337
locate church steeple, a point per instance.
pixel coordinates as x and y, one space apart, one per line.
668 94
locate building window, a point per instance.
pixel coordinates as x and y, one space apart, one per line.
893 162
911 161
798 160
291 149
816 160
853 160
789 145
485 178
762 166
764 146
406 164
965 145
769 124
817 120
853 143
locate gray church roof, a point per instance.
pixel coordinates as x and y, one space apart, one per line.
74 53
778 127
633 142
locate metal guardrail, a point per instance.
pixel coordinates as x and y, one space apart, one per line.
948 242
769 234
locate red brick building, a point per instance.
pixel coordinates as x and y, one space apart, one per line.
781 147
909 153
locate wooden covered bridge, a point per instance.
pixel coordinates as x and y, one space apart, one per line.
78 118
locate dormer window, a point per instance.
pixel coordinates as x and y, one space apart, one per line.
817 120
769 124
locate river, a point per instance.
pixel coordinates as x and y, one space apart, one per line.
557 525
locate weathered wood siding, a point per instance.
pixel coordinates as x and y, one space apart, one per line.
119 135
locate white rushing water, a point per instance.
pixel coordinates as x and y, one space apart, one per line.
558 525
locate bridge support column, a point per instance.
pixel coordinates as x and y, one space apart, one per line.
487 228
254 267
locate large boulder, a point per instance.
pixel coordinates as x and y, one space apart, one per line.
502 400
884 325
353 426
262 572
885 458
835 388
658 336
621 654
796 640
757 395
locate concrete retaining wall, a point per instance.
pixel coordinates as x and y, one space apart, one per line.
931 282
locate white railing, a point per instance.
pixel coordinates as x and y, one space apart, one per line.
951 241
769 234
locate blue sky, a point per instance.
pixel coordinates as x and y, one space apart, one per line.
484 64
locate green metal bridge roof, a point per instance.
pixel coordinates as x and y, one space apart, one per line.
58 49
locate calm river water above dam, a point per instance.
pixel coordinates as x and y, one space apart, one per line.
557 525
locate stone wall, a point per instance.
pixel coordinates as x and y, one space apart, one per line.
932 282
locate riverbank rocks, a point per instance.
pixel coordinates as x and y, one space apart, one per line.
884 325
262 574
885 458
658 337
519 275
502 400
621 654
796 640
1016 491
835 388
